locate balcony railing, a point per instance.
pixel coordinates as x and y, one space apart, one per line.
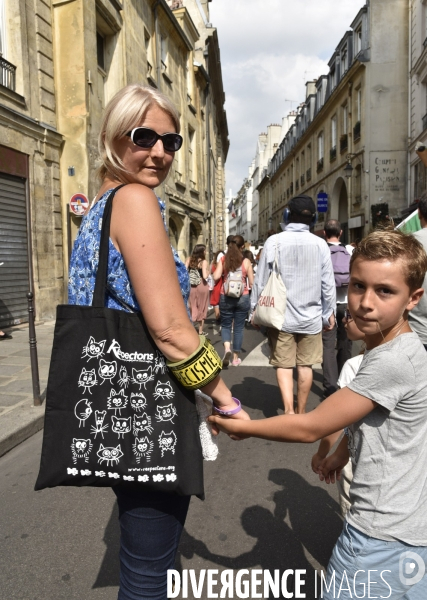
7 74
343 143
308 174
424 122
332 153
356 132
320 165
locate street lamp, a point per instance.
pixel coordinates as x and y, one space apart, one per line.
270 223
348 170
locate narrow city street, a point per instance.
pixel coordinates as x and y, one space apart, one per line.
264 509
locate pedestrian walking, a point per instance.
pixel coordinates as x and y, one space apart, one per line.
216 292
237 278
197 266
336 344
138 140
305 266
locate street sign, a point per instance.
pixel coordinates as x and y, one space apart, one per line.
79 204
322 202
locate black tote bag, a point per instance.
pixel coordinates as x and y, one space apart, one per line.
114 413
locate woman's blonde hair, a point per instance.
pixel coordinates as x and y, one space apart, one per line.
125 111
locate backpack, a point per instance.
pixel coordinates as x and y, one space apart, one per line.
195 278
341 265
233 283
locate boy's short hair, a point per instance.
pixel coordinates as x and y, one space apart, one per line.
332 228
392 244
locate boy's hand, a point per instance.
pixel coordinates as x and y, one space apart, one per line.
317 463
331 468
242 415
229 425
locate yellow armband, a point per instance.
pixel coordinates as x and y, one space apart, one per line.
198 369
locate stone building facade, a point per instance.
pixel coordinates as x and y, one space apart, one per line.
31 237
349 137
417 173
62 61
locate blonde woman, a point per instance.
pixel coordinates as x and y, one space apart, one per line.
138 140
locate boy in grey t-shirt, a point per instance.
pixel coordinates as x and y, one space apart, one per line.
382 551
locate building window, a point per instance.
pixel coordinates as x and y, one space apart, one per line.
359 105
164 53
344 61
2 30
333 77
100 50
320 146
149 54
358 40
192 169
345 119
334 131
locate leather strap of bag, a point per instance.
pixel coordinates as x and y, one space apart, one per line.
102 272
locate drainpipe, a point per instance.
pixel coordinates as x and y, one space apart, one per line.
208 150
409 173
157 34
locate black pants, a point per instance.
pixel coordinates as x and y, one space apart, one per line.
336 351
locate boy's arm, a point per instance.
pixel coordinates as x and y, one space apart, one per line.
336 412
334 464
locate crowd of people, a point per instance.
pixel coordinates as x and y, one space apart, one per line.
334 294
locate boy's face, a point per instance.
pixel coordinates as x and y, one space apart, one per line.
378 295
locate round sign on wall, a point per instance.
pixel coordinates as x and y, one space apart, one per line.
79 204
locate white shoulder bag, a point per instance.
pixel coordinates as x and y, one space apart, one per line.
271 306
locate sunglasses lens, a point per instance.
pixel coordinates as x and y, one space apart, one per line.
145 138
172 142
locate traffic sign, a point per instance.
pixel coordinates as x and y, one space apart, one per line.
79 204
322 202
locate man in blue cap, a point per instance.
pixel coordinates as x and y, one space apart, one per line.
305 266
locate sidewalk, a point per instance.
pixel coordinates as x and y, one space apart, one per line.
19 419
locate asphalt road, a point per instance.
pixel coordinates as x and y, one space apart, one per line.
264 509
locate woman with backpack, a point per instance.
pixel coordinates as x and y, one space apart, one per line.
234 304
198 270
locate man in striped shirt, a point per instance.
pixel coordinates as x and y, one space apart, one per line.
305 265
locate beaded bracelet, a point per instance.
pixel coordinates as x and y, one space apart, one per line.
198 369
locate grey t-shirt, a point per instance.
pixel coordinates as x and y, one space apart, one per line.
389 445
418 315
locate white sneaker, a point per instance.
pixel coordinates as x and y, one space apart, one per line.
226 359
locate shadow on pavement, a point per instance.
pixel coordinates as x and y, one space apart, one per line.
259 395
109 571
315 526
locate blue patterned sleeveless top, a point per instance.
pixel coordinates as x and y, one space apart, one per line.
84 265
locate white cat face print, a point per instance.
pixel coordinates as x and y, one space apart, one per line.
167 442
124 377
81 449
166 413
163 391
99 426
93 349
117 401
121 426
87 380
138 401
142 423
142 448
109 455
83 411
142 377
159 364
107 370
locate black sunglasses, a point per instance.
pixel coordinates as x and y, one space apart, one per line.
146 138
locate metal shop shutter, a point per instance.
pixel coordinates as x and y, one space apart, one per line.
14 277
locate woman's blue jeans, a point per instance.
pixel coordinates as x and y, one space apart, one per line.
234 309
151 524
